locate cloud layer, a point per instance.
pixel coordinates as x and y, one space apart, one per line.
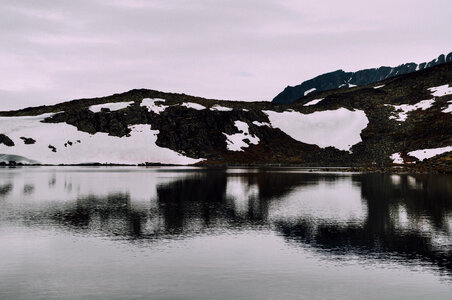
52 51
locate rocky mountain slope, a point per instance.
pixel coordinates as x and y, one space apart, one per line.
342 79
404 120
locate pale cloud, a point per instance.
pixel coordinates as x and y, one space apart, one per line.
52 51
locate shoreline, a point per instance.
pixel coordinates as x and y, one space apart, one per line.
394 169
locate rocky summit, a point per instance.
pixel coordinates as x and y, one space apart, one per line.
342 79
402 121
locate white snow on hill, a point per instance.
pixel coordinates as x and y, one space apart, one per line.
17 159
193 105
257 123
313 102
338 128
309 91
220 108
111 106
237 141
139 147
429 153
448 109
153 105
442 90
396 158
403 109
379 86
421 154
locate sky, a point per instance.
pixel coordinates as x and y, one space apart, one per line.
57 50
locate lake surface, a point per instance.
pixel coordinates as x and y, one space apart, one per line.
187 233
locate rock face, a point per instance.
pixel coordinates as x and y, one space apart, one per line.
28 141
342 79
372 125
6 140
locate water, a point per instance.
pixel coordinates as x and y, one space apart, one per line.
186 233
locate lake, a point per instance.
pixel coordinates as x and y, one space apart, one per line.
191 233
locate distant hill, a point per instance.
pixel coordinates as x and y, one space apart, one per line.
404 120
342 79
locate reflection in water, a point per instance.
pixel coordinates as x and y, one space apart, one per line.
5 189
403 221
28 189
402 217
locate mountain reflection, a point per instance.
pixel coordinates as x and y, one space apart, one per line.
396 216
5 189
424 201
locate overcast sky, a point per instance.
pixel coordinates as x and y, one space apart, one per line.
51 51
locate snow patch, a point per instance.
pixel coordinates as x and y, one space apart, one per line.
448 109
193 105
442 90
404 109
379 86
220 108
397 158
17 159
257 123
236 141
309 91
153 106
111 106
347 85
313 102
338 128
429 153
139 147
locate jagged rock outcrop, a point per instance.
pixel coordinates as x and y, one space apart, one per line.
342 79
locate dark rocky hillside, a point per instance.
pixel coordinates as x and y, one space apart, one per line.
202 133
342 79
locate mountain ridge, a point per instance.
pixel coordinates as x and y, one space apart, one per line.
401 121
341 79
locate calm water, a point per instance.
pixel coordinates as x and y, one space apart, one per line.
182 233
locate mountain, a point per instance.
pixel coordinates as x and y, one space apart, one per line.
404 120
342 79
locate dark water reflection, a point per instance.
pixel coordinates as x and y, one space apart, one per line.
405 219
427 201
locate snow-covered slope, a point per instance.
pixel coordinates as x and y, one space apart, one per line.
405 119
76 147
338 128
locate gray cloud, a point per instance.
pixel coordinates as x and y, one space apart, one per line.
52 51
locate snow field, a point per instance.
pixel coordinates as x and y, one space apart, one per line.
137 148
313 102
236 141
153 106
403 109
429 153
421 154
193 105
338 128
220 108
111 106
442 90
